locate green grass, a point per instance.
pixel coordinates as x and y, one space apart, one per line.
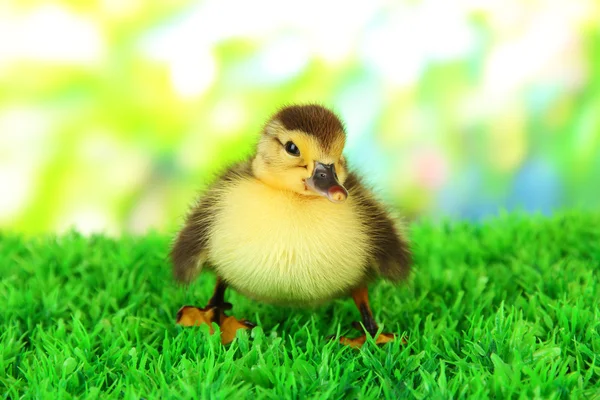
506 309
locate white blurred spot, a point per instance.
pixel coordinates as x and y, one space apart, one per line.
409 37
229 117
120 7
532 48
336 27
303 30
23 147
393 48
16 184
192 74
444 30
284 58
188 56
50 33
88 220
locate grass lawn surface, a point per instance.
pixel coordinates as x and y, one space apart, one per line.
504 309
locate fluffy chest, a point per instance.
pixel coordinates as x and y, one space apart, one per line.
276 246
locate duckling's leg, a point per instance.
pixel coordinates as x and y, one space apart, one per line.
214 312
218 297
361 299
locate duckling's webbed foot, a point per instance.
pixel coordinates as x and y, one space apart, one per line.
361 299
214 312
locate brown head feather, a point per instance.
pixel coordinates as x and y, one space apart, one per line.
314 120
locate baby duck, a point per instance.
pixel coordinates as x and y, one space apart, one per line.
292 225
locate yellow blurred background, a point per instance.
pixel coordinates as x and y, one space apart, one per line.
114 114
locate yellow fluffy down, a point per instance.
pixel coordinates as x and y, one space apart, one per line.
280 247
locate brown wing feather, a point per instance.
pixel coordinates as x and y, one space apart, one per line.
390 250
191 242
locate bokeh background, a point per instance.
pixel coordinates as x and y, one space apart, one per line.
114 114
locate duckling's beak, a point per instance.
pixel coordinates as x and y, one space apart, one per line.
324 182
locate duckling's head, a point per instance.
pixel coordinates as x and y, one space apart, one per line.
300 150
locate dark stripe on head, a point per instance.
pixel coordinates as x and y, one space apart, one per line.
314 120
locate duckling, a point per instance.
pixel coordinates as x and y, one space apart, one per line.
292 225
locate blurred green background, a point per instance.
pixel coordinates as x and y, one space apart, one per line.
113 114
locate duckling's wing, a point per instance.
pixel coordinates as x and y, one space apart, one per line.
189 250
390 250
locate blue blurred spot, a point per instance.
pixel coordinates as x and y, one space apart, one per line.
536 187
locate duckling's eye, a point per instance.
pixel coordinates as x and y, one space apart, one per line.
292 149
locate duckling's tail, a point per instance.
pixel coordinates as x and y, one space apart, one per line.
188 254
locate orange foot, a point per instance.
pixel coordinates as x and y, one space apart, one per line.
195 316
359 341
